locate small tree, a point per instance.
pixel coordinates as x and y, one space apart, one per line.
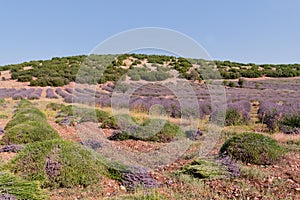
257 85
241 82
231 84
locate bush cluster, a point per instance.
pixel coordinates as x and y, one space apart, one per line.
58 163
28 125
61 71
158 131
138 73
253 148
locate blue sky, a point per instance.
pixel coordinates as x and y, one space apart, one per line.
260 31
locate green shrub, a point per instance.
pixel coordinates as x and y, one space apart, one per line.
21 189
24 104
2 101
153 133
204 169
292 120
54 106
231 84
67 110
92 115
25 78
112 121
166 134
50 81
234 117
28 132
24 115
58 163
28 125
253 148
241 82
101 115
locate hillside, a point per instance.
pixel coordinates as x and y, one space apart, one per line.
61 71
136 133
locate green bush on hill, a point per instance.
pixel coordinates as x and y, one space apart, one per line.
28 132
112 121
27 114
58 163
91 115
253 148
61 71
235 117
28 125
143 132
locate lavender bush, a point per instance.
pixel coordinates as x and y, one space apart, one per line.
35 94
12 148
231 165
50 94
136 178
283 117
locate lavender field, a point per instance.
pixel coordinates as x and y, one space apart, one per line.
269 107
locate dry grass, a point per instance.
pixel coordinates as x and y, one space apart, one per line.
283 138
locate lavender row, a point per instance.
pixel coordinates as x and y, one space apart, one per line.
280 116
50 94
22 93
35 94
66 96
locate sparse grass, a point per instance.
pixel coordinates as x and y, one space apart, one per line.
83 113
252 173
238 129
145 195
3 116
292 145
228 134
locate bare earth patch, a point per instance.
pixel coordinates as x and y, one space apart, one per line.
6 156
66 132
133 145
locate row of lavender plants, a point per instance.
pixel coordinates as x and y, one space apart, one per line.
84 96
283 117
23 93
236 113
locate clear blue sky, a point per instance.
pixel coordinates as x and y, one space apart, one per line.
260 31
